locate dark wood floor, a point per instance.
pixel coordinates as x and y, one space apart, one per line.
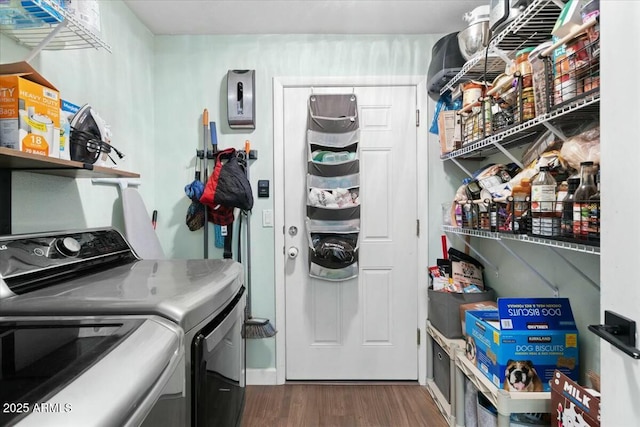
357 405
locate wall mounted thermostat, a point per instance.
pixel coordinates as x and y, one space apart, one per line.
241 105
263 188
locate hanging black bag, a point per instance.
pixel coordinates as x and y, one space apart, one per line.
228 184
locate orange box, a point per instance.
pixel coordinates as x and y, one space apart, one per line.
29 111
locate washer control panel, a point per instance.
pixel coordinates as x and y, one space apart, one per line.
29 253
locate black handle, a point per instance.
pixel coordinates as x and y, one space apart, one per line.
619 331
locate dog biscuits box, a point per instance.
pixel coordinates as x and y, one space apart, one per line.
572 404
520 345
29 111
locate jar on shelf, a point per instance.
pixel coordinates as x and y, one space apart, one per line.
523 66
472 92
528 104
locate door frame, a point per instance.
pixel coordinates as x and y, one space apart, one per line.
279 85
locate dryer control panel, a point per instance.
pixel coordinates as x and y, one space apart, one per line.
46 256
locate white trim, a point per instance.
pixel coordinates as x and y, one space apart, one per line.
266 376
278 209
279 84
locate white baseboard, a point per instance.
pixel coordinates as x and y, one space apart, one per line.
262 376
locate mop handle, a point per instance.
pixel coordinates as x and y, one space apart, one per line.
247 148
205 121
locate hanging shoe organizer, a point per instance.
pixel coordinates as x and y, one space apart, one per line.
333 186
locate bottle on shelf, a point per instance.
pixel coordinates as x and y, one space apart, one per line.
520 194
581 208
566 226
594 213
563 190
544 219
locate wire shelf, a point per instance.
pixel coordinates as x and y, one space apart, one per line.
71 34
571 246
532 27
584 108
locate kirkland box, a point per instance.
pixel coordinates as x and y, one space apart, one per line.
29 111
519 346
444 309
572 404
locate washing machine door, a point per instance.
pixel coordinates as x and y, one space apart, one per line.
73 371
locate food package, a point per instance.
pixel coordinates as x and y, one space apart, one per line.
582 147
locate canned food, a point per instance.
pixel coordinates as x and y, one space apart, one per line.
565 88
577 54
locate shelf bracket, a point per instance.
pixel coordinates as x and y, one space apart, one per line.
554 288
465 170
486 261
507 153
557 132
5 202
502 55
576 269
44 42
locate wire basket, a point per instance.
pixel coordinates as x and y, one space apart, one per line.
575 71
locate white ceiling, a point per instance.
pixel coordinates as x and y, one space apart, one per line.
303 16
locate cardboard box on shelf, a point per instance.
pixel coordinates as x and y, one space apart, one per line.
520 345
29 111
448 121
572 404
479 305
67 111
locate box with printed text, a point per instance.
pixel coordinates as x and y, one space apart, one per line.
29 111
520 345
572 404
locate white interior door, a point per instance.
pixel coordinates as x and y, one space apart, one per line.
363 328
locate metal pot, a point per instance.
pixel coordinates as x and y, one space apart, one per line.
475 37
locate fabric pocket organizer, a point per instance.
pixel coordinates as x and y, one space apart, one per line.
333 186
333 198
333 249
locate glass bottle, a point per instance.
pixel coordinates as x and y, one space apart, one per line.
594 213
567 207
544 221
581 209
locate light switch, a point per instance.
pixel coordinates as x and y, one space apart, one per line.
267 218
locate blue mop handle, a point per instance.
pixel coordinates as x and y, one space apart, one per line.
214 136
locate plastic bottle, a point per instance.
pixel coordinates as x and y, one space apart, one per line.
567 207
581 209
520 193
544 221
594 213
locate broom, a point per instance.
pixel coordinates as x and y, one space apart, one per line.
253 327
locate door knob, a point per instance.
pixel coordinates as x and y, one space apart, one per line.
292 252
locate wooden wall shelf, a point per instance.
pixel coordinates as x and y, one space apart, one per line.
18 160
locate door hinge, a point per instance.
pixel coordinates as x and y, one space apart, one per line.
418 227
418 337
417 118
